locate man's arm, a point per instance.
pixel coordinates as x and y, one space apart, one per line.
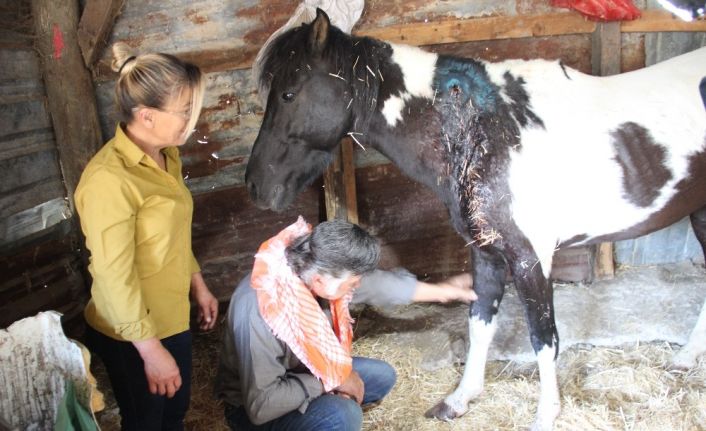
386 288
400 287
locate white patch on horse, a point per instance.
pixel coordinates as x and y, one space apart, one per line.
571 166
549 404
392 110
418 69
480 335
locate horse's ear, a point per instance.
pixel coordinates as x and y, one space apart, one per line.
319 32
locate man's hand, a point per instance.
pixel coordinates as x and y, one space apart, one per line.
207 303
456 288
353 388
161 369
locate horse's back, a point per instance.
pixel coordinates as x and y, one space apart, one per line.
617 157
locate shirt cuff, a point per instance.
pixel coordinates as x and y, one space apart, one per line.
135 331
312 387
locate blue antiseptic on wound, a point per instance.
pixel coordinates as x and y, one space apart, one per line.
469 78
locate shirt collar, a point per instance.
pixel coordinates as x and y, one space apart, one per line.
131 153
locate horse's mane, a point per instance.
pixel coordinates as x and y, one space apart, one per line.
346 55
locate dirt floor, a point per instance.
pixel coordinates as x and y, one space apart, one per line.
628 386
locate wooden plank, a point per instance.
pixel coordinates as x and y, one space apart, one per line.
656 20
41 274
95 26
25 143
334 197
605 263
31 195
71 102
449 31
606 60
488 28
348 162
574 264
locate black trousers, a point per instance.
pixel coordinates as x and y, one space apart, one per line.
141 410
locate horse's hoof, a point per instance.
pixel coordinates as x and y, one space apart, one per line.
442 411
682 361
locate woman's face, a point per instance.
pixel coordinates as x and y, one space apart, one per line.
171 120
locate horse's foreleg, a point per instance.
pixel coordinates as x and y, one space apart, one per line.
696 345
536 293
489 284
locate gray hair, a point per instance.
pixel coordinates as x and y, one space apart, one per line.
334 248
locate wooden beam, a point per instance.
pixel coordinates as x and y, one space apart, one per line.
449 31
71 99
605 264
348 161
606 60
605 53
95 27
339 185
488 28
654 20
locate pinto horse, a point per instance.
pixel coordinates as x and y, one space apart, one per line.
528 157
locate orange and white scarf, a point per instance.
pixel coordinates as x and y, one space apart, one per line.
291 311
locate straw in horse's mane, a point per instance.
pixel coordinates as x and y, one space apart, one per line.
290 52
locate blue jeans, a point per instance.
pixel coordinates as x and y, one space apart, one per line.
141 410
327 412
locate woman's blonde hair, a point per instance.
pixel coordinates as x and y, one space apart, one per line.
152 80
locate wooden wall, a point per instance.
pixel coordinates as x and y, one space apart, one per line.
39 258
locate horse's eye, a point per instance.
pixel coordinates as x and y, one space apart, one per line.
287 97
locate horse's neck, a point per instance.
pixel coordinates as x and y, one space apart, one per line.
416 148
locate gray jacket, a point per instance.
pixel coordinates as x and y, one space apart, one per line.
258 371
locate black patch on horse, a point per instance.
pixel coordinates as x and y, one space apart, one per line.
702 90
642 161
520 106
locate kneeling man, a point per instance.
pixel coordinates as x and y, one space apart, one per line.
286 362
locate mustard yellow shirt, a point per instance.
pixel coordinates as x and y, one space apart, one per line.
137 222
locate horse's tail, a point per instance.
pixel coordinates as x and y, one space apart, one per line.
702 89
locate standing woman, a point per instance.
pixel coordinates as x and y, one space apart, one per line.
136 212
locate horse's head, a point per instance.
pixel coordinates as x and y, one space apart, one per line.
307 111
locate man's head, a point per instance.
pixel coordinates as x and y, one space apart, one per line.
331 259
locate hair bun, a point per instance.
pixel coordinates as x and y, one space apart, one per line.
122 56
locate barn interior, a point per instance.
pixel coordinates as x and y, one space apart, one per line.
630 302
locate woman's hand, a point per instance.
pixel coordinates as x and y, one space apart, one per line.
456 288
161 370
207 303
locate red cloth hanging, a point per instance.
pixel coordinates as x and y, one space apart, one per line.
601 10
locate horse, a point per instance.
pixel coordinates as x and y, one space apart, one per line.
528 157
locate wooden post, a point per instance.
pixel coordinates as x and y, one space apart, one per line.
339 185
605 53
605 264
605 61
95 25
71 98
